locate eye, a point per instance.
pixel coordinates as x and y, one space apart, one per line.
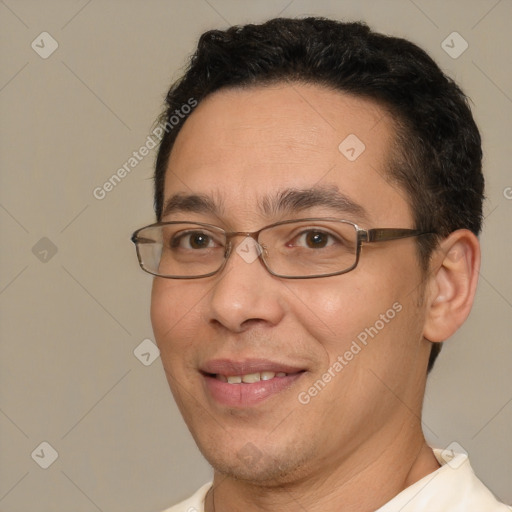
193 240
313 239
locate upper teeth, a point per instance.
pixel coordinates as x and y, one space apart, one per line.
250 378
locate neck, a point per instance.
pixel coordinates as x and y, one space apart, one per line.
361 483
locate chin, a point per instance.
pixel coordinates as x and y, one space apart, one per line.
265 467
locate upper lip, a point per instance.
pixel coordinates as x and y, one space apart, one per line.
246 366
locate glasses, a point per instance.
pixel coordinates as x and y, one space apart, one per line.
292 249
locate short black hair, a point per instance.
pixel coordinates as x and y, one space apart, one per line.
437 155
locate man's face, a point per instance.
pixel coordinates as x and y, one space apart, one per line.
242 149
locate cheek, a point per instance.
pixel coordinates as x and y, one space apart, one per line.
174 316
335 311
352 309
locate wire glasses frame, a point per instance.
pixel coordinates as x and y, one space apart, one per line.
142 239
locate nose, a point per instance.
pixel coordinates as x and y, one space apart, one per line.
245 294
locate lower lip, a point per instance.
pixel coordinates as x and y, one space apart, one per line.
247 395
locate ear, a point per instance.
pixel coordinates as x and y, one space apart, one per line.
452 283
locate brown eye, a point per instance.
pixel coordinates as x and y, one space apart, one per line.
316 239
199 241
193 240
312 239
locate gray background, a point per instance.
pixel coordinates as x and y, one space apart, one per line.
71 320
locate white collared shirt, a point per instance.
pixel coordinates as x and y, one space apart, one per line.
453 487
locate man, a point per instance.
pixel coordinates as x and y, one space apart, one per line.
318 196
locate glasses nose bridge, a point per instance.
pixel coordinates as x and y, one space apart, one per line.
233 234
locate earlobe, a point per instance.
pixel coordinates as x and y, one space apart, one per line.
452 284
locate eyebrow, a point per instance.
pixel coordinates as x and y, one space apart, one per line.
296 200
288 201
194 203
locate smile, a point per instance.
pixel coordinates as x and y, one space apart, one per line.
248 383
249 378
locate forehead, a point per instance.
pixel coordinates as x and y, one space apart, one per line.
242 145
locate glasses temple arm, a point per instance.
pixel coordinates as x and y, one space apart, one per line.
383 234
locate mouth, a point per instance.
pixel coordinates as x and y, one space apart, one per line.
250 378
247 383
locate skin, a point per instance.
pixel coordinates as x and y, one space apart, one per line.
359 441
